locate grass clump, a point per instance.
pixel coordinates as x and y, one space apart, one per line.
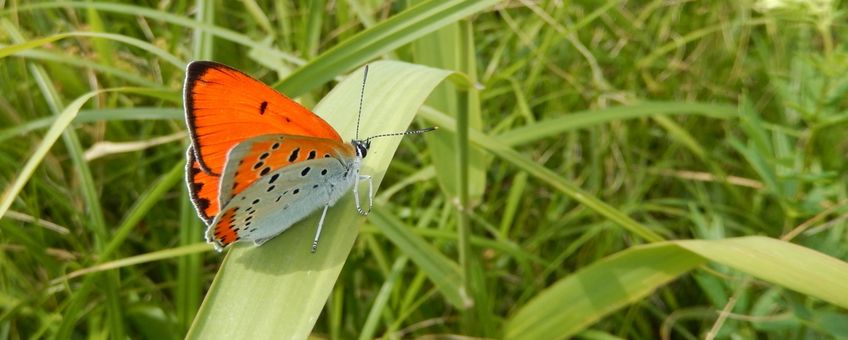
675 168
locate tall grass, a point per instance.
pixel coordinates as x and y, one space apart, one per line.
603 169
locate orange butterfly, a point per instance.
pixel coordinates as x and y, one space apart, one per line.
258 161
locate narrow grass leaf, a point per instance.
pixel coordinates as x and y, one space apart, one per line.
59 125
152 49
546 175
583 119
388 35
443 272
133 11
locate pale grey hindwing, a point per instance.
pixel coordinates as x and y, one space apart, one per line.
234 156
274 202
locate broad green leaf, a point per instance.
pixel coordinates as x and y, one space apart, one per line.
278 289
581 299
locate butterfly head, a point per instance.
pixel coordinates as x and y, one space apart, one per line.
361 147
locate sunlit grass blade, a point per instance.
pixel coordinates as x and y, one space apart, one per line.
63 120
577 301
281 280
394 32
163 254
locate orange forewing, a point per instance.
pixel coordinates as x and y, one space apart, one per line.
267 154
203 188
224 106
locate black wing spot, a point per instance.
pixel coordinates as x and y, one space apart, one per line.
273 178
271 188
265 171
278 198
294 154
326 155
324 172
196 186
314 186
275 146
263 107
247 224
264 155
235 184
256 201
311 155
202 203
252 230
248 218
305 171
258 165
288 120
295 191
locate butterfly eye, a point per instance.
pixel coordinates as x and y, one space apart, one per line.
361 148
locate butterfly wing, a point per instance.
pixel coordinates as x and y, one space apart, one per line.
282 197
202 187
256 157
224 107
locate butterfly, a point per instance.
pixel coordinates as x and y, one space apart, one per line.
258 161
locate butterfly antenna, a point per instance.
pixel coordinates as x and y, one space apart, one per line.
409 132
361 95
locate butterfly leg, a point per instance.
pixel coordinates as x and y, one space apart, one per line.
370 194
320 225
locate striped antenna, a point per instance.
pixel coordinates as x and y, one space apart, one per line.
361 96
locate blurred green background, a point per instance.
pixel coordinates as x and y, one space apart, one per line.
578 137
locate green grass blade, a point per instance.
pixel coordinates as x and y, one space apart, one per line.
386 36
382 299
152 49
164 16
59 125
546 175
583 119
442 271
577 301
279 289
